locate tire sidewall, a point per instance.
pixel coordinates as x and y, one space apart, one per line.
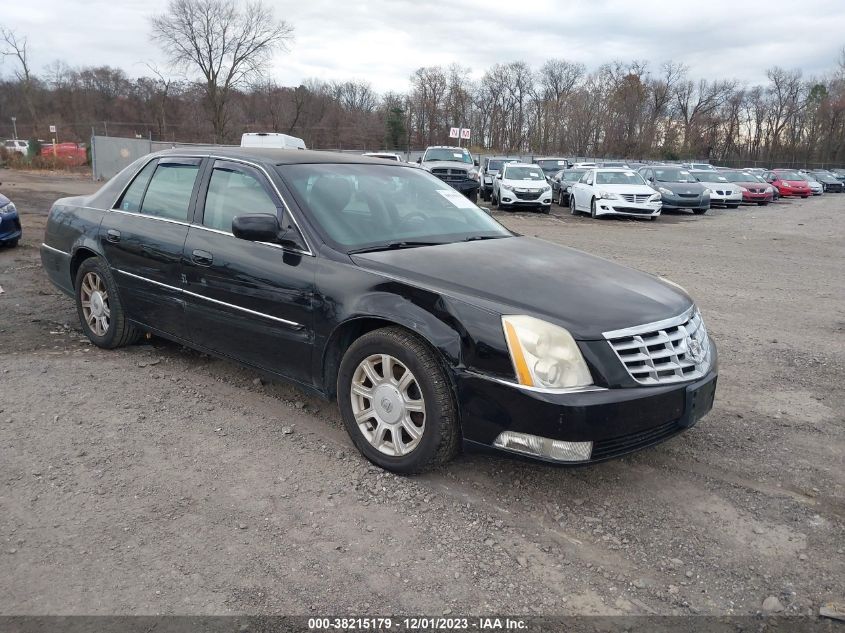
426 450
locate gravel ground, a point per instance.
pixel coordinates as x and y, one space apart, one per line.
154 479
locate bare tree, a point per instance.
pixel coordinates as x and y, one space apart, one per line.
226 44
16 47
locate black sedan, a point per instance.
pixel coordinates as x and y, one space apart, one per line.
562 181
830 183
679 189
373 283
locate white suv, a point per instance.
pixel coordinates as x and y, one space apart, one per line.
16 145
522 185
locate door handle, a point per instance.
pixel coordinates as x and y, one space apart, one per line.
113 235
202 258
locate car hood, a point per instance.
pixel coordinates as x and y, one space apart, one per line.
681 187
4 200
585 294
635 189
528 183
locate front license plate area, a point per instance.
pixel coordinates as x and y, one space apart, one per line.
699 401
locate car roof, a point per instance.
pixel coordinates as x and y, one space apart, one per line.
272 156
518 164
613 169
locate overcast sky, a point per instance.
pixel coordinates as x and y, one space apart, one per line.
383 41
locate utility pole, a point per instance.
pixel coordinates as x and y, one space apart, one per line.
15 127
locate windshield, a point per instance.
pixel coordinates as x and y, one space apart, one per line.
496 165
738 176
672 174
359 206
551 165
573 175
448 153
708 176
619 178
790 175
523 173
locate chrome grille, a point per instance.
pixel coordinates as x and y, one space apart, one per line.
636 198
673 350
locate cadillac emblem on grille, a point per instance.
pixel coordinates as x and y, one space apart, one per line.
696 351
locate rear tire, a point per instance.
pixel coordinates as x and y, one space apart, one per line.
572 208
700 211
733 206
11 243
363 367
473 197
763 203
102 317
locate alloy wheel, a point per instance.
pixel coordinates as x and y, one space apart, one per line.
94 297
388 405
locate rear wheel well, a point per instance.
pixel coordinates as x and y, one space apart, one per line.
79 256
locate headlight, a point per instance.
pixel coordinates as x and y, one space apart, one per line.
770 190
9 208
547 188
706 191
655 198
606 195
665 191
785 184
544 355
506 187
473 175
744 189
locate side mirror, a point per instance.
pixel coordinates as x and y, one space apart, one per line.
419 161
498 176
475 162
257 227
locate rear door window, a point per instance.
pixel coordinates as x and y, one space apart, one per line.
171 187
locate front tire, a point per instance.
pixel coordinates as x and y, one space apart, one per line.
593 209
396 402
473 197
572 208
99 308
700 211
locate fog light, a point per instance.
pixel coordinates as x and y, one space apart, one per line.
537 446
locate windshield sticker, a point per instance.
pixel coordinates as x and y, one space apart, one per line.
457 155
561 162
456 198
534 174
629 173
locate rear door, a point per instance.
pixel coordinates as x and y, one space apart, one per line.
248 300
143 237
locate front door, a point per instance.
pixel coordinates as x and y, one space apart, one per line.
143 238
250 301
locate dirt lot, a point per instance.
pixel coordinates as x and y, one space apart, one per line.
157 480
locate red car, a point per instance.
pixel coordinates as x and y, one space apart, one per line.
788 183
754 190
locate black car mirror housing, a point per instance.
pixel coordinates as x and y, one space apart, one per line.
257 227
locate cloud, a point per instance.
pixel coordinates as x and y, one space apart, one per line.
384 41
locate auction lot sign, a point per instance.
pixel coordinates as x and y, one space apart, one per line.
414 624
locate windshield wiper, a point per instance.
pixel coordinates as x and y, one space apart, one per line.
391 246
473 238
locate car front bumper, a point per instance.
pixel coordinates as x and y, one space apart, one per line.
786 192
676 203
623 207
616 421
752 197
722 198
510 198
467 187
10 227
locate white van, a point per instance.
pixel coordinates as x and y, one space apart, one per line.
271 139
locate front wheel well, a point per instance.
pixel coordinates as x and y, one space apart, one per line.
79 256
